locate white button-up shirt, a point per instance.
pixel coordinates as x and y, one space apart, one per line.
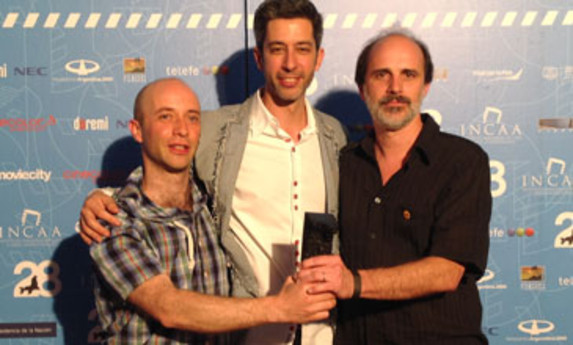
279 180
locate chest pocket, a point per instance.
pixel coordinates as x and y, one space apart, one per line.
414 227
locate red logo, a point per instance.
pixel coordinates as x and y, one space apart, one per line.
28 125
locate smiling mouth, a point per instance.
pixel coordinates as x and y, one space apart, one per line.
289 81
179 148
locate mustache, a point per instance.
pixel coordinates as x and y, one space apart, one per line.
397 98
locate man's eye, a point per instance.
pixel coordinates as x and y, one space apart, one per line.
276 50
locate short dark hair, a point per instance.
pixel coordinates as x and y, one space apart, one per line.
364 57
286 9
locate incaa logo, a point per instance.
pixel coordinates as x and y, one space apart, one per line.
555 179
82 67
492 129
536 327
30 230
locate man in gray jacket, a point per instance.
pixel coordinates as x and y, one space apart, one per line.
265 163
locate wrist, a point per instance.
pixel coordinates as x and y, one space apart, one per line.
357 284
270 307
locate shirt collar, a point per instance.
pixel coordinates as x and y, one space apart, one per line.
132 194
426 144
261 119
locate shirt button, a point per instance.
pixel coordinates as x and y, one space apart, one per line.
295 196
372 235
296 207
407 215
377 200
287 140
206 275
295 183
293 149
297 242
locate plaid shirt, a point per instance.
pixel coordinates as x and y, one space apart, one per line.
151 241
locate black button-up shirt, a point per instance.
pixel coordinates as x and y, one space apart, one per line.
438 204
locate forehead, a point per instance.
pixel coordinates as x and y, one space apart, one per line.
287 29
396 51
170 93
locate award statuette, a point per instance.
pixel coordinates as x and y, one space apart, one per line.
318 231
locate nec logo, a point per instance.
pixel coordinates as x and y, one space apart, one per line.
82 67
31 71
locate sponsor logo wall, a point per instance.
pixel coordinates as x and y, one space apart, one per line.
504 79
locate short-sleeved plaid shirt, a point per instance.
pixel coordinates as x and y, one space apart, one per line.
153 240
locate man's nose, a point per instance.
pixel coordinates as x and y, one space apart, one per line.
180 126
289 60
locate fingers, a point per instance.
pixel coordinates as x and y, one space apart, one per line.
317 307
322 315
111 207
322 260
91 227
86 239
320 274
106 211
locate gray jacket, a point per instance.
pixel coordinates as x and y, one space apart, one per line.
218 159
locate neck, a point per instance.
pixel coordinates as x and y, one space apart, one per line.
292 116
397 144
393 147
166 189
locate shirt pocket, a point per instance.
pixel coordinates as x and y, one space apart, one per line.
413 222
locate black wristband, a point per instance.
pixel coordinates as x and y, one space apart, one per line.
357 284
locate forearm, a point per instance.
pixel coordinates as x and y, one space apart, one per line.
420 278
213 314
192 311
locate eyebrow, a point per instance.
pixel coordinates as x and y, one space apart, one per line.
193 111
387 69
284 43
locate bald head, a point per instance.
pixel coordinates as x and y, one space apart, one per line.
144 95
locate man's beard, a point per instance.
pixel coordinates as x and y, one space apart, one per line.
389 118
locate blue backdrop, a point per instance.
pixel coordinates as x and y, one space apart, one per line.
69 71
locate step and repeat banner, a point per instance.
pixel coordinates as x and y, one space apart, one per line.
69 72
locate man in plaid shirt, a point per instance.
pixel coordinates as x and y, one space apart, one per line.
161 275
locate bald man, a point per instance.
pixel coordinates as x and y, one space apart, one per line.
161 275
